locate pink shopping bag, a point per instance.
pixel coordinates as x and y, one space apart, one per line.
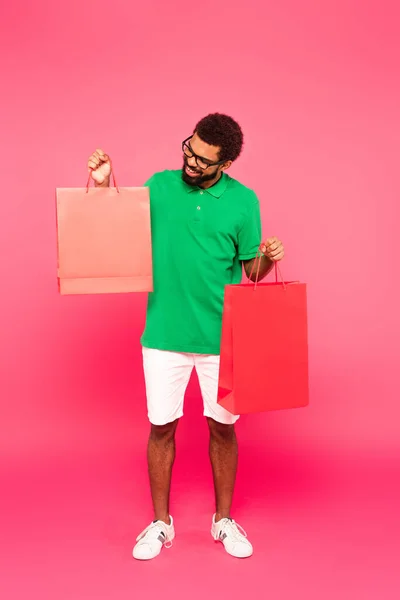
104 240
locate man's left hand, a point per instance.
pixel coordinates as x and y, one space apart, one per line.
273 249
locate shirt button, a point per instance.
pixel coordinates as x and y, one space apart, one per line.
199 208
201 193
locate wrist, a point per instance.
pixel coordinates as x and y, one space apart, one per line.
106 183
268 262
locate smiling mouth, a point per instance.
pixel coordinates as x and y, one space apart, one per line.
191 172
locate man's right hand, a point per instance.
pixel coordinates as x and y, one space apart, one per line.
99 165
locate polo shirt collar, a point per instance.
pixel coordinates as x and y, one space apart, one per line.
216 190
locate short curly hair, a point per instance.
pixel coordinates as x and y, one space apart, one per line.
220 130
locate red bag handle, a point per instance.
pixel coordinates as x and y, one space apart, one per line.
90 177
258 261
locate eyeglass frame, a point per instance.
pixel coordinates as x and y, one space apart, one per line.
197 157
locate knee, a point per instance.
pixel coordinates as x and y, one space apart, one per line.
163 432
220 430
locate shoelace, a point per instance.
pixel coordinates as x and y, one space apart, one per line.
156 530
229 527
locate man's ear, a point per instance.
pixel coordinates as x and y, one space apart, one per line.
226 165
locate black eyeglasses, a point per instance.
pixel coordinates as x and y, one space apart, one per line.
201 162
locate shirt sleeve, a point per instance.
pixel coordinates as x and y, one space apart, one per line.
249 238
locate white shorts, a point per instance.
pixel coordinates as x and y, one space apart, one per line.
167 375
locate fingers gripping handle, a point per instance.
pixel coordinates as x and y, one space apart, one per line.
111 174
257 261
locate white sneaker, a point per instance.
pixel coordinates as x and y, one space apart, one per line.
152 539
233 537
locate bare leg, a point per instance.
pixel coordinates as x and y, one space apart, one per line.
224 459
160 458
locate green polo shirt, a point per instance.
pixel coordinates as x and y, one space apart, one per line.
199 239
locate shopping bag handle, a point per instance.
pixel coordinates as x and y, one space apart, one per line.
277 269
90 177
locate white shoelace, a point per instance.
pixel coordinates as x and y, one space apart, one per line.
156 531
231 529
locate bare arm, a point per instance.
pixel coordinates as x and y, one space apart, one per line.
251 266
272 251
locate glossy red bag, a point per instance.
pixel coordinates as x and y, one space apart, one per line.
264 347
104 240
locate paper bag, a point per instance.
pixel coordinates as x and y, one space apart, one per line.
264 348
104 240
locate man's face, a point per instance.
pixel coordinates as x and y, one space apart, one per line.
197 169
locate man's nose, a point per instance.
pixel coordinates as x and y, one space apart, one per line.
192 162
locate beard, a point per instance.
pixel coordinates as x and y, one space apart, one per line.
199 179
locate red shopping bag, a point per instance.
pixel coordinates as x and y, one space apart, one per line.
264 347
104 240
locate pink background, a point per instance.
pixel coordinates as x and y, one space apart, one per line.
316 88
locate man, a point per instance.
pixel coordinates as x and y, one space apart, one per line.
205 227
